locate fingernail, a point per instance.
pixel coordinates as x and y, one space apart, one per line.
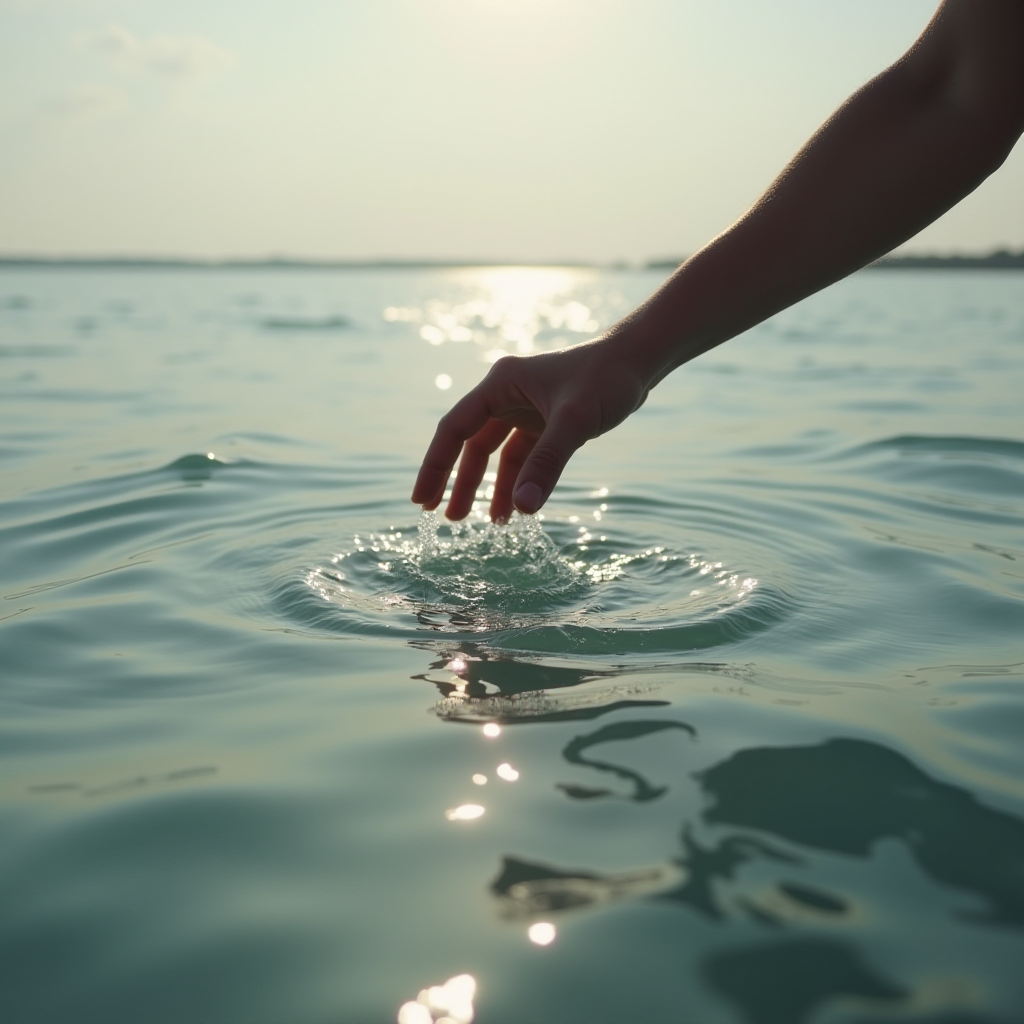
528 498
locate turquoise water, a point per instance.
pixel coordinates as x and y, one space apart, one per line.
732 734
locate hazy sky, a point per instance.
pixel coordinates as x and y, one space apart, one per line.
520 129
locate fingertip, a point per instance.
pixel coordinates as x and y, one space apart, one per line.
421 496
458 507
428 490
427 498
528 498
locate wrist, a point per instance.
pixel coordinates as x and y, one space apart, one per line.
653 341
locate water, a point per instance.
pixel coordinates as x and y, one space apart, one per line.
733 734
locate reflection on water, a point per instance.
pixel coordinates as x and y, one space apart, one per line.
465 812
524 889
513 309
479 685
450 1003
794 844
542 933
847 795
643 791
796 848
753 854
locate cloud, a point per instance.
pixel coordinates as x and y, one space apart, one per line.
84 102
166 56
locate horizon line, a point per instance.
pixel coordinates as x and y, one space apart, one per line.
1001 258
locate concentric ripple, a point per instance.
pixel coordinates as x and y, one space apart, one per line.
531 586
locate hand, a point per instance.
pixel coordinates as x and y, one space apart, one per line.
542 408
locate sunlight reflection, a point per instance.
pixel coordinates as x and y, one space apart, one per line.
491 730
415 1013
479 780
507 772
464 812
450 1003
400 314
509 309
542 933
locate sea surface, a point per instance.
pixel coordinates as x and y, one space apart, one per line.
732 734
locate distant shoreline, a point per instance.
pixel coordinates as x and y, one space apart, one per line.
273 263
1000 260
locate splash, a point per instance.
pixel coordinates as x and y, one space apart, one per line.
590 594
511 566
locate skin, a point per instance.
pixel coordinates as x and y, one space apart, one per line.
900 152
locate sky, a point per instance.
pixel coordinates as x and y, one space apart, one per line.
532 130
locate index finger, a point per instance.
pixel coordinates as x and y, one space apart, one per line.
467 417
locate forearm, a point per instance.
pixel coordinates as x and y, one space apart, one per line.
898 154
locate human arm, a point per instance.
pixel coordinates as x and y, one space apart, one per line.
894 157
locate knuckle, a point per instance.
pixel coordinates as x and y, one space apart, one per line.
546 457
506 366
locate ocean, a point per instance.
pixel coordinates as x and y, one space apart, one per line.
732 733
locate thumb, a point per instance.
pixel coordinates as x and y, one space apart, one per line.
563 434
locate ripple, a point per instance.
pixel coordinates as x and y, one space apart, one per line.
980 468
531 586
950 446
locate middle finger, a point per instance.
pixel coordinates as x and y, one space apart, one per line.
472 466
